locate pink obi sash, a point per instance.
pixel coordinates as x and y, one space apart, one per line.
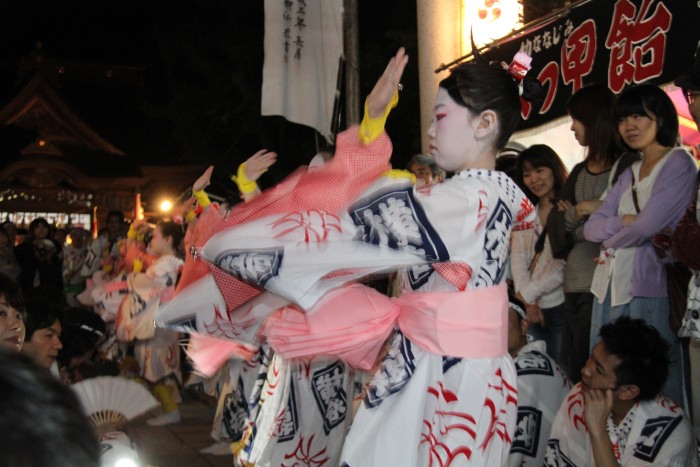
353 322
473 323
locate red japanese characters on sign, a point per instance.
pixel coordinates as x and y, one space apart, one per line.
549 77
578 54
637 41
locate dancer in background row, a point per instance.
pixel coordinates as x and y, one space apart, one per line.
156 350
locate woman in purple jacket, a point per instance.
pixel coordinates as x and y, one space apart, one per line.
651 196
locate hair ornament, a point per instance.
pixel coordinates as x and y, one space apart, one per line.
519 67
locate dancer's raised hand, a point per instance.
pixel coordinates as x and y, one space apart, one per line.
387 84
204 180
258 164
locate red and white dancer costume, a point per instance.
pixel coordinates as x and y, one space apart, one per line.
654 432
304 413
156 350
458 407
447 389
320 388
446 392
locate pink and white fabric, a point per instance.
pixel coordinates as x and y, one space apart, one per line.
353 168
658 433
196 236
298 254
198 307
467 221
423 408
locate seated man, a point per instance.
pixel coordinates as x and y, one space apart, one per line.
542 387
616 414
43 336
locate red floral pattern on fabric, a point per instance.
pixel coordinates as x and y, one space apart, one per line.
526 216
303 455
443 422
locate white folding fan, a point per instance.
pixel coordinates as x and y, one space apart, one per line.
113 399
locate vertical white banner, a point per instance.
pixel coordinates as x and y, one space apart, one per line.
303 45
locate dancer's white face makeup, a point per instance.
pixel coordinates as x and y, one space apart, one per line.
452 135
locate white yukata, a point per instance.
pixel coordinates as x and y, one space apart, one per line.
542 387
654 432
426 409
232 386
421 407
305 409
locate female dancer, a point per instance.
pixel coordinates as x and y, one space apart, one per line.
537 275
156 350
592 110
439 397
630 279
436 396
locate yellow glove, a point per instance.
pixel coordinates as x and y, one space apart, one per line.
138 265
371 128
399 174
189 217
245 186
202 198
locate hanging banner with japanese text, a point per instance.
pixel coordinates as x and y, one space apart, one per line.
612 42
303 46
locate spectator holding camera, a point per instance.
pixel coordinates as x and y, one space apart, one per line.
40 259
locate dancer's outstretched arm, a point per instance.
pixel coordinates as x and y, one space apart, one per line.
383 98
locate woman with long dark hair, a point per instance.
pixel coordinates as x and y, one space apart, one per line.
592 110
538 276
